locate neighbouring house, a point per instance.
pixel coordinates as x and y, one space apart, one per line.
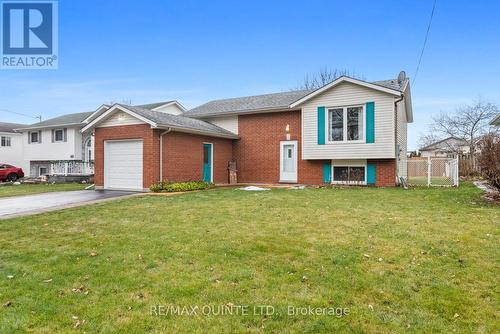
58 147
449 147
349 131
495 121
11 144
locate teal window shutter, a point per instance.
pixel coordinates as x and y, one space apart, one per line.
327 172
371 173
370 122
321 125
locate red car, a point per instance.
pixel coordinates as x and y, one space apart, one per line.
10 173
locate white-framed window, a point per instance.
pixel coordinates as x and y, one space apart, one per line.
58 135
348 174
88 150
5 141
34 137
42 171
345 124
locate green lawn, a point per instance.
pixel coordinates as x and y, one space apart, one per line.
422 260
435 180
30 189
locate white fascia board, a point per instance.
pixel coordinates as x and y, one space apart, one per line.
49 126
98 110
339 81
199 132
10 133
181 107
112 110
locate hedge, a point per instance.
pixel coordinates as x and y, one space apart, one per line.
170 187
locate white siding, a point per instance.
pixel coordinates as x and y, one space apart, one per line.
229 123
401 139
48 151
349 162
347 94
170 109
13 154
120 118
78 145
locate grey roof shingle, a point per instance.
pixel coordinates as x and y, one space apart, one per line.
76 118
68 119
392 84
248 103
150 106
266 101
154 105
179 122
9 127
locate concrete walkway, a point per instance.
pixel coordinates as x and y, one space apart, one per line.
32 204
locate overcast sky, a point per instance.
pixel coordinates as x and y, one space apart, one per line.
147 51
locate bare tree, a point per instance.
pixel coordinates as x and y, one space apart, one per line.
126 101
427 139
324 76
468 123
448 144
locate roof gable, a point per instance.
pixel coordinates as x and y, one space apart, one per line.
382 86
151 106
158 119
285 100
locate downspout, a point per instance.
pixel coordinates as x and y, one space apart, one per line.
161 151
398 157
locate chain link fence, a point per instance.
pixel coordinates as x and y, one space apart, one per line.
433 172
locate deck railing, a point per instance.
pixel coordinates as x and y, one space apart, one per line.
71 168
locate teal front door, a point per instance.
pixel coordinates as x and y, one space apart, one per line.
207 162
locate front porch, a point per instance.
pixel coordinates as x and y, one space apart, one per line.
61 168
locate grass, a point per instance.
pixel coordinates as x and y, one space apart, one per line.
422 260
31 189
435 180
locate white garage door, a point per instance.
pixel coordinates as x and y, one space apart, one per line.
123 164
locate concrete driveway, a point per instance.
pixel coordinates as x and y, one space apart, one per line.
31 204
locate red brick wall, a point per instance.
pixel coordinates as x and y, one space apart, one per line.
183 157
386 172
151 146
257 152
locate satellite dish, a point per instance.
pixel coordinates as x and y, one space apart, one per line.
402 76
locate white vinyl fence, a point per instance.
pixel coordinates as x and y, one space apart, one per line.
433 171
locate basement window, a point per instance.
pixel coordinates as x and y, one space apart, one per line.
349 174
